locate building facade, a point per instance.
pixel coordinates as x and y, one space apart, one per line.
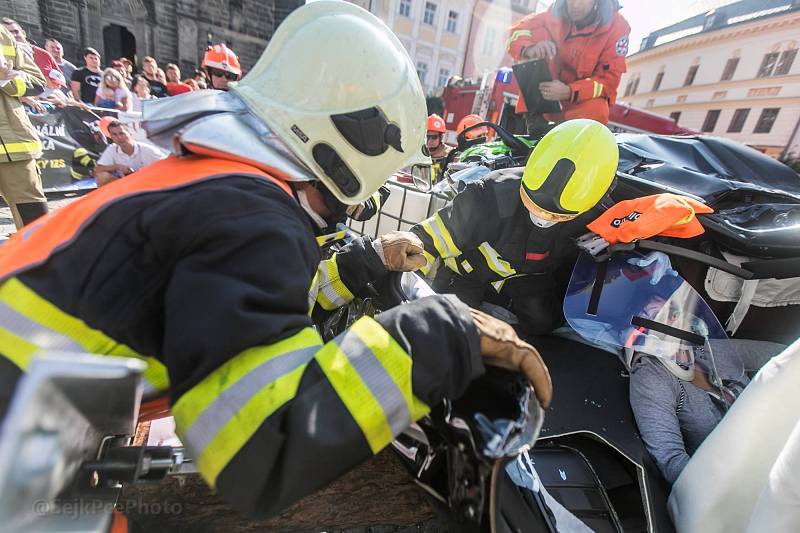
175 31
451 37
731 72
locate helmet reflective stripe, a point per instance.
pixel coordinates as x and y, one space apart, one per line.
571 168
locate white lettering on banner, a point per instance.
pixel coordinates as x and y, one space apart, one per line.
47 144
49 130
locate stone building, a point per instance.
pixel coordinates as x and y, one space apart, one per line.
172 31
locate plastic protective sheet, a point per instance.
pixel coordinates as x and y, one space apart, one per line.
614 307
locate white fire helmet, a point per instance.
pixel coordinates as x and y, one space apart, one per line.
337 86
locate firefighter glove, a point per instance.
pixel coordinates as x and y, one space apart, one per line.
500 346
401 251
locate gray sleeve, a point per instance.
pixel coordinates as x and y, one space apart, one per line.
654 397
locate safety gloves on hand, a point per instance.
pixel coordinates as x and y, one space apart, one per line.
401 251
500 346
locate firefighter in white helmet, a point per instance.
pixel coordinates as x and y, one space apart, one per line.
210 268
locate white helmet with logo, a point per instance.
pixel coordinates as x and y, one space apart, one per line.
337 86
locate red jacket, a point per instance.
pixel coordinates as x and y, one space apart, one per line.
590 60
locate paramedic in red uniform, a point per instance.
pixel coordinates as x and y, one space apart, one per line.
586 42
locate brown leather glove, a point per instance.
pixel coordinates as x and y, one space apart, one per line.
501 347
402 251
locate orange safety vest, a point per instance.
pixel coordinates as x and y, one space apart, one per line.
34 244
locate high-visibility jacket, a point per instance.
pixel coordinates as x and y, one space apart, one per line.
18 138
591 60
485 234
208 269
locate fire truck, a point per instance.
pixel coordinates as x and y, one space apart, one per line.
496 95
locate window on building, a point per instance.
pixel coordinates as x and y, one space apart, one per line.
489 39
766 120
422 70
452 21
405 8
444 75
430 13
659 79
785 62
738 120
690 75
628 88
711 120
675 115
767 65
635 86
730 69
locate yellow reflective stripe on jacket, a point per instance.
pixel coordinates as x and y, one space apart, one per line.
598 89
313 292
498 265
322 240
466 266
18 350
23 146
217 417
28 316
442 239
371 373
517 35
332 292
19 88
498 285
431 263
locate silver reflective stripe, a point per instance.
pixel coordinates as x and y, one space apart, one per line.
35 333
496 263
228 404
379 382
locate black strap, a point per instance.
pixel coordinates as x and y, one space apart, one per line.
597 288
683 335
774 268
709 260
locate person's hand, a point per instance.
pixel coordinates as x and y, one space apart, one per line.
661 268
34 104
500 346
555 91
540 50
122 169
402 251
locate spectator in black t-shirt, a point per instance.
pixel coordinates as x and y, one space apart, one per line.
150 71
86 80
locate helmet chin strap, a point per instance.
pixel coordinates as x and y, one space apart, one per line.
306 205
540 222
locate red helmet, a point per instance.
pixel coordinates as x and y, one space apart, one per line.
471 120
221 57
436 124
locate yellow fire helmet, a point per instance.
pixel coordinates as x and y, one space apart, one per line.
570 170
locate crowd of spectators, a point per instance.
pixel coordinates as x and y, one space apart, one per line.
120 86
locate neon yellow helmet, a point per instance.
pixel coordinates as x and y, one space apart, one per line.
570 170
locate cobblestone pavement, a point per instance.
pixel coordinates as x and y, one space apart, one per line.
7 223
